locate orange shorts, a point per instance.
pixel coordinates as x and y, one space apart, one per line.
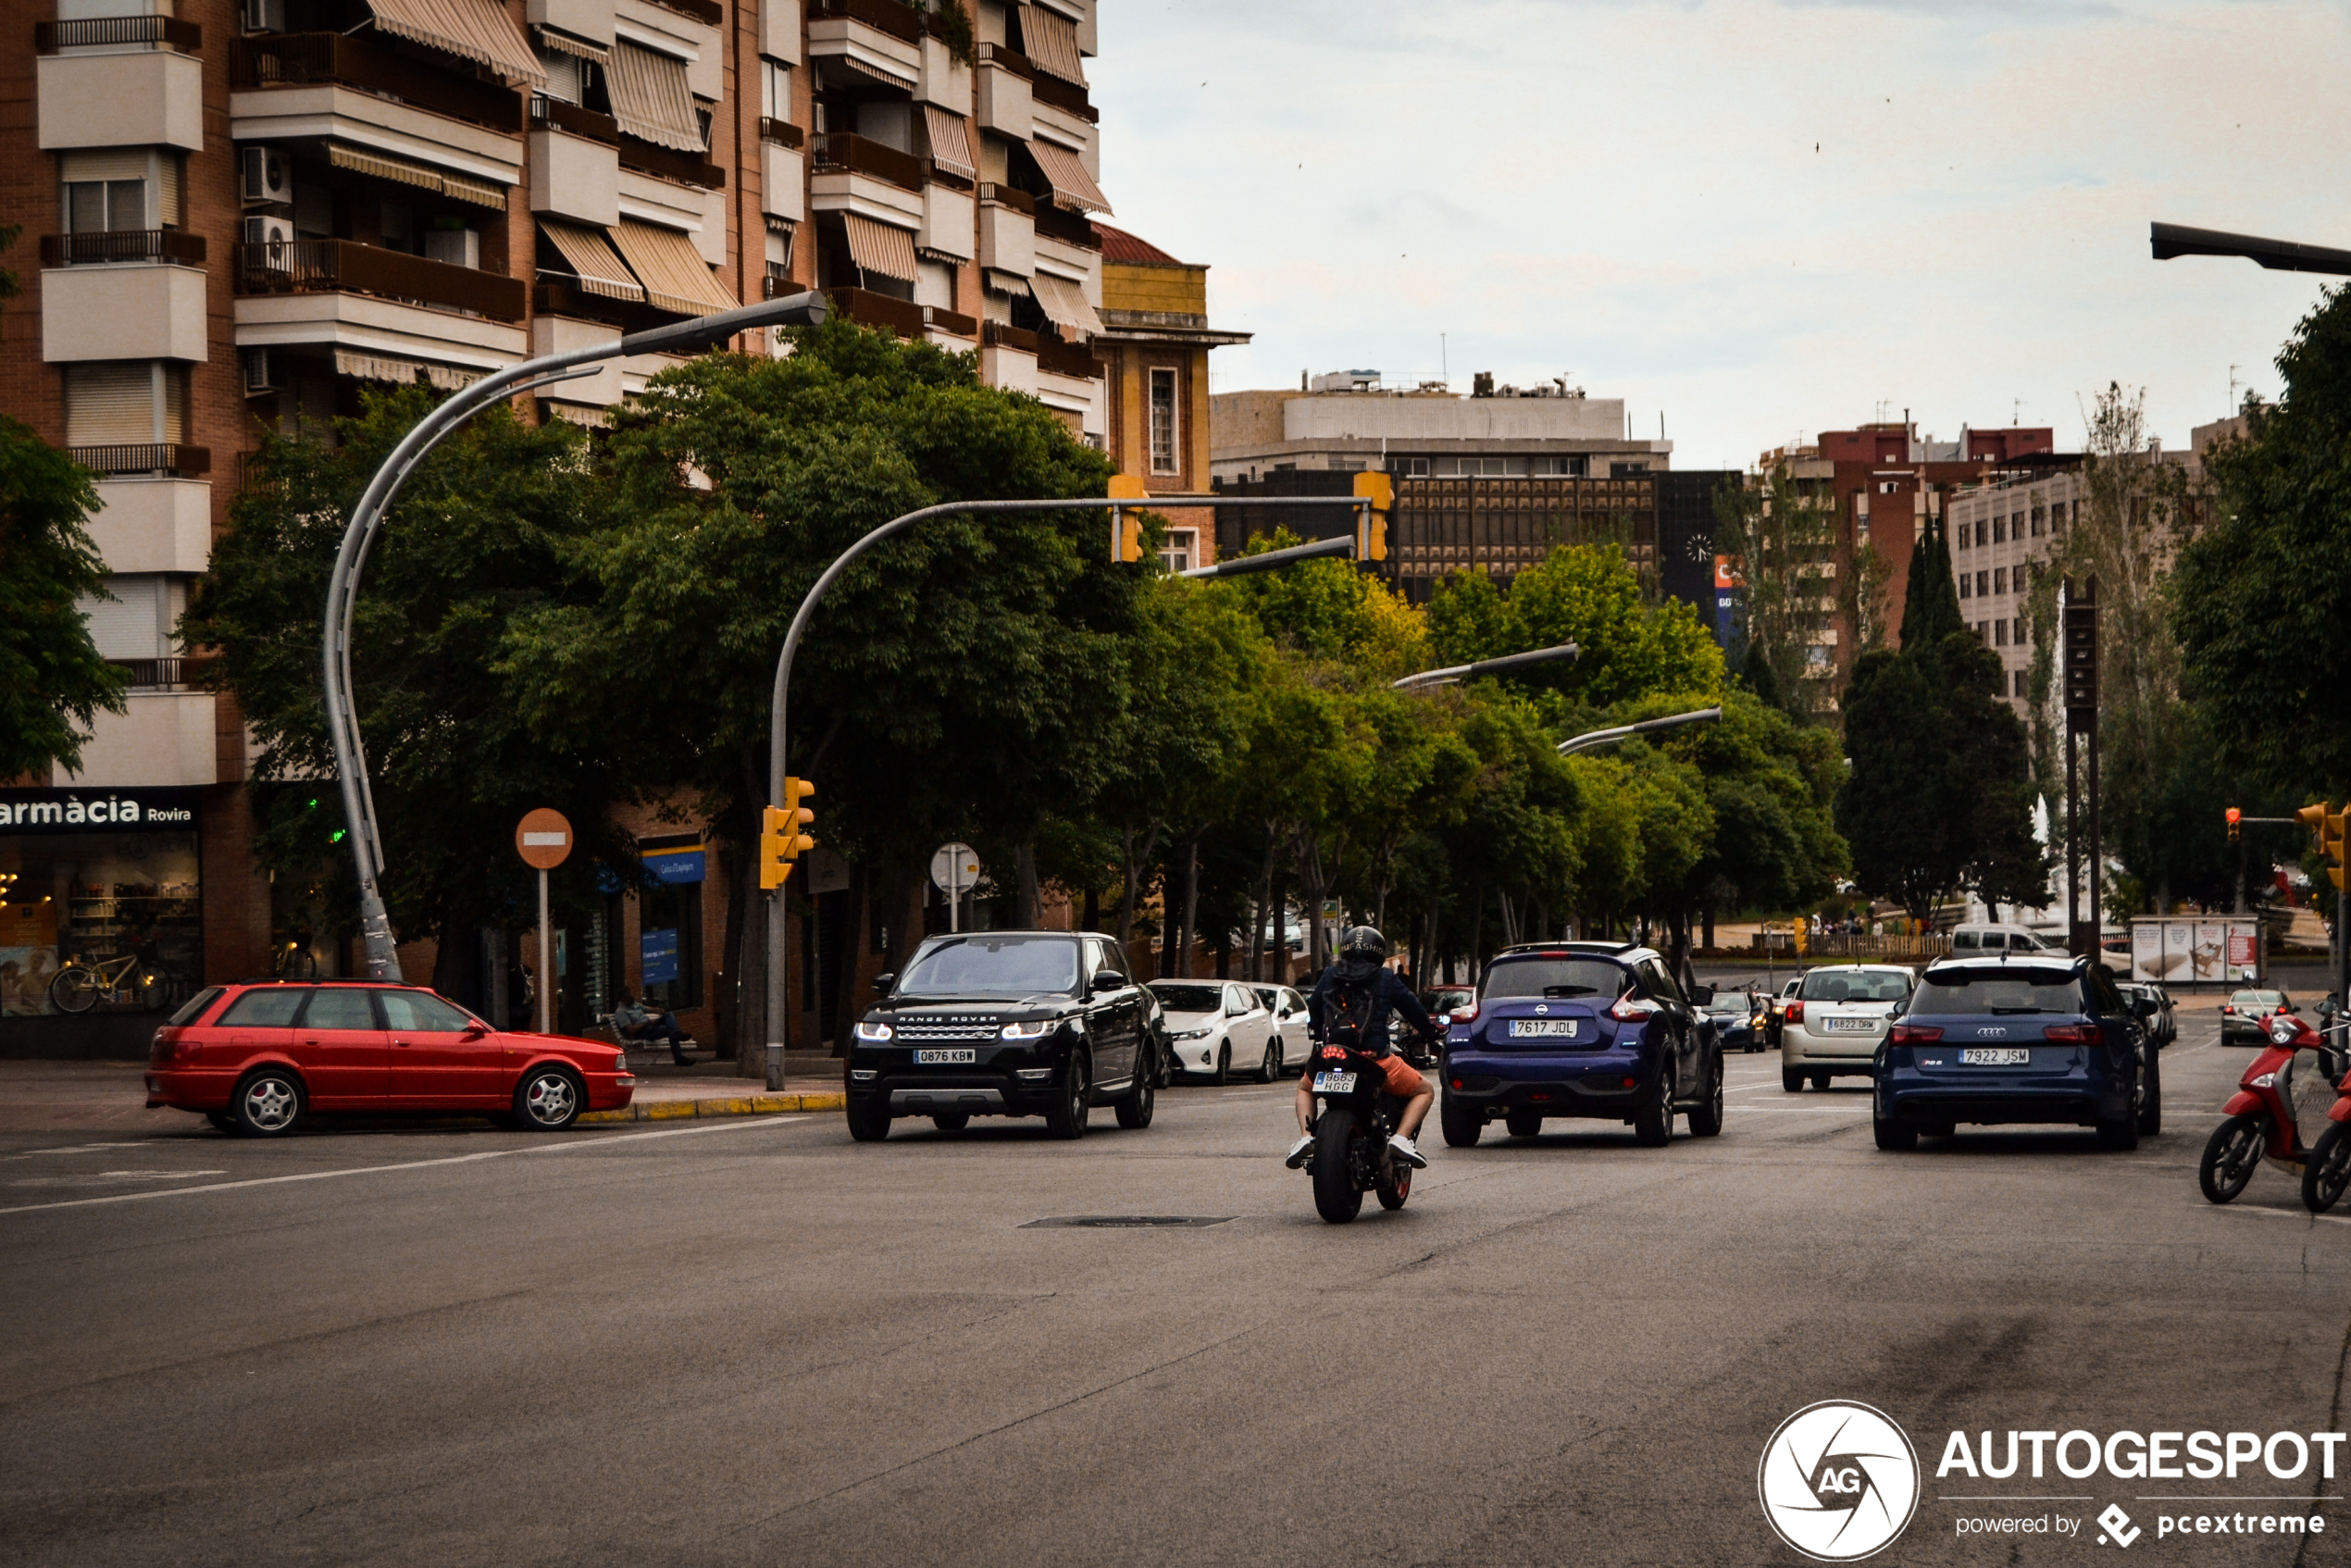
1403 1080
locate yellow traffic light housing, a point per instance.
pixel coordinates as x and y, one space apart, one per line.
1126 528
1370 523
781 837
2328 826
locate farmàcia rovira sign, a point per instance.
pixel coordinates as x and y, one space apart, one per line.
98 811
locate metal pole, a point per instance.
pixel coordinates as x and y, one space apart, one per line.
1452 673
343 583
546 964
954 895
1595 738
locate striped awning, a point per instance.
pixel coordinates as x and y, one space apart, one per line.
674 273
651 99
1000 282
877 247
564 44
1051 41
364 160
1073 187
950 142
593 261
472 29
1064 304
401 372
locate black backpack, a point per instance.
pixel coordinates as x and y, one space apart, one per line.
1346 1008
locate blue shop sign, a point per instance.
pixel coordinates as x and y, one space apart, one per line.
671 867
659 952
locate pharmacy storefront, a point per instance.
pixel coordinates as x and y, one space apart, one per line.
108 878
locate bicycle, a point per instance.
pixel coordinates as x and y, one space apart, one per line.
80 986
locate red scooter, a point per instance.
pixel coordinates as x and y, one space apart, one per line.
2328 1171
2266 1121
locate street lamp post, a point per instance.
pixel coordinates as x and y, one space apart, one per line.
2170 239
367 519
1593 738
1453 673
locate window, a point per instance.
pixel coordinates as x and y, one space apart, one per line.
1999 580
2040 521
775 89
2000 633
1983 585
125 401
340 1007
270 1009
2020 684
422 1013
1967 585
1416 467
1177 550
1963 536
1979 533
2057 515
993 966
1163 422
1999 531
107 188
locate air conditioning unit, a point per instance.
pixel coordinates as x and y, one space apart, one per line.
458 247
270 242
263 176
265 371
265 15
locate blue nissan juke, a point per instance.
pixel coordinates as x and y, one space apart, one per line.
2030 1041
1597 1031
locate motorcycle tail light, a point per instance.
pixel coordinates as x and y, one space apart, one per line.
1795 1014
1913 1034
2073 1034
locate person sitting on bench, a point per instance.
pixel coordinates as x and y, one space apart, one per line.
632 1021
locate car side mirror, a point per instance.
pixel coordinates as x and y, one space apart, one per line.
883 982
2326 1008
474 1031
1701 994
1108 981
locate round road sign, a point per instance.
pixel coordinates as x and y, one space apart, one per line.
955 868
543 839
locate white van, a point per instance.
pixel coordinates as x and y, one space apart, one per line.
1974 942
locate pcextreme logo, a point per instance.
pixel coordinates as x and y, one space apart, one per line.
1838 1481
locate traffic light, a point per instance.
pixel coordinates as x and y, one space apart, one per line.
781 837
1126 528
2234 815
1371 526
2328 826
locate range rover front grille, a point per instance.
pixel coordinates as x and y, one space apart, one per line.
962 1031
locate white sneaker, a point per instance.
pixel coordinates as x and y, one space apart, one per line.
1403 1149
1296 1159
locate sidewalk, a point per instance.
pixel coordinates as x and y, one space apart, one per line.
72 1097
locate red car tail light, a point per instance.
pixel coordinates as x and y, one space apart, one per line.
1913 1034
1795 1014
2073 1034
1465 1014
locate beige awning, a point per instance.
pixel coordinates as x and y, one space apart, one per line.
650 98
593 261
363 160
401 372
1051 43
564 44
1073 187
950 142
877 247
473 30
1000 282
1064 304
674 273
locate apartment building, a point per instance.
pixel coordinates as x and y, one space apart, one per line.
239 213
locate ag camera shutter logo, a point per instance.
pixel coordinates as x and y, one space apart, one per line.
1838 1481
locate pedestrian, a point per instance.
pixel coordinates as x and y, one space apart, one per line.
632 1021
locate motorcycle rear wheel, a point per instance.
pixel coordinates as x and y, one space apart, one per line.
2231 1156
1336 1197
2328 1171
1393 1193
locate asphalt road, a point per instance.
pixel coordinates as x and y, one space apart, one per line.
756 1342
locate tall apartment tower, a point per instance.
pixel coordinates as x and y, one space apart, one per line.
239 213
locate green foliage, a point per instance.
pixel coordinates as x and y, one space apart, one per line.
1931 610
1783 543
1590 595
52 681
2260 598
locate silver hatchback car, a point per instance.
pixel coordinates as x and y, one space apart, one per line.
1836 1021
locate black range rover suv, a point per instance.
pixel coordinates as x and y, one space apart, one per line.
1005 1024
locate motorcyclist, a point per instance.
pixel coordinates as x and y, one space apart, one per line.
1361 981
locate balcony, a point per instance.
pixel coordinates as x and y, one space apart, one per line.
939 318
556 296
166 738
115 32
137 311
553 113
166 457
666 163
305 59
708 11
1067 359
845 152
780 132
146 524
1069 228
122 244
900 22
1066 96
1005 101
869 309
1002 335
164 675
1010 196
309 267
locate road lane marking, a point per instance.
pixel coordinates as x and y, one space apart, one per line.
100 1178
733 1126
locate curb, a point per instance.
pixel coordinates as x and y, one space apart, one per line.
730 1105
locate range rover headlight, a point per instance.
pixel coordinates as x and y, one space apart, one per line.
1029 1029
873 1030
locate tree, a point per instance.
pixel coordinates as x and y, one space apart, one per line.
2261 598
1931 607
1783 539
1586 595
52 681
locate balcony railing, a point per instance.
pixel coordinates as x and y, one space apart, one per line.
939 318
1011 60
1064 96
98 32
842 150
667 162
1009 195
998 334
870 309
553 113
311 266
302 60
555 295
164 458
783 132
1067 359
700 10
900 22
163 675
122 244
1069 228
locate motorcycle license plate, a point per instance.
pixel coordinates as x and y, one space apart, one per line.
944 1058
1334 1083
2009 1056
1543 1028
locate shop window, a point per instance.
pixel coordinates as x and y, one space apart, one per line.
669 937
78 882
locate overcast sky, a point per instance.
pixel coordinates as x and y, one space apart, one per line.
1758 220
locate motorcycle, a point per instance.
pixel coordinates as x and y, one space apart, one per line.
2328 1171
1354 1117
2266 1119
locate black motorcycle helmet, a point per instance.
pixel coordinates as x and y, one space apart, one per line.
1362 941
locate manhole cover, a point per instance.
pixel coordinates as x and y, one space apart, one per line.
1127 1221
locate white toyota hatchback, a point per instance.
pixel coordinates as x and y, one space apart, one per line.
1220 1028
1836 1021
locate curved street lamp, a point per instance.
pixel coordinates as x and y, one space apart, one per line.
1593 738
1453 673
